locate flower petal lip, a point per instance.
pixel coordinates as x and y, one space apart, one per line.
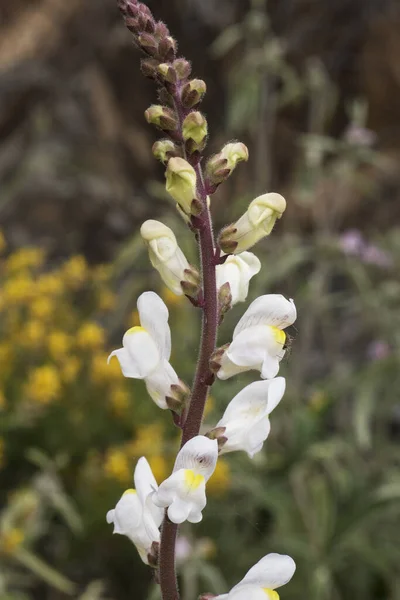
245 419
272 571
199 454
257 348
153 314
139 356
237 270
271 309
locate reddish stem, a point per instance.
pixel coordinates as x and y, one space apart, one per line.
203 377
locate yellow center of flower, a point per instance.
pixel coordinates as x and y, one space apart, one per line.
136 329
271 594
130 491
192 480
279 335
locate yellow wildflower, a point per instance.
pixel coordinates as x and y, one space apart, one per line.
102 372
101 273
149 440
75 270
43 384
11 539
58 343
32 335
90 336
42 307
107 300
25 258
6 355
220 480
49 284
70 369
119 400
3 243
160 467
18 289
117 465
171 299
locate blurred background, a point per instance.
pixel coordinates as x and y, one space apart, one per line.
313 89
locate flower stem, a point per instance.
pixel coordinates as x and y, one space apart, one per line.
203 376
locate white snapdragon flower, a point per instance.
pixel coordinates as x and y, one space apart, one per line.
237 270
257 222
165 254
147 349
184 492
260 583
258 339
135 515
245 421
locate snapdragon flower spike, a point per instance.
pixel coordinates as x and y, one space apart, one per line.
260 583
184 492
167 257
135 515
237 270
257 222
147 349
258 339
245 424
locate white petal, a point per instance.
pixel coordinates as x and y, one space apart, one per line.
229 369
184 495
159 382
237 271
153 315
271 309
142 351
127 513
199 454
257 348
246 418
145 482
271 572
128 367
247 592
110 516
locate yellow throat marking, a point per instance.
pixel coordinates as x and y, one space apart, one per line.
192 480
271 594
130 491
279 335
136 329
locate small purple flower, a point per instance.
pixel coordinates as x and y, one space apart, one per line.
376 256
352 242
360 136
378 350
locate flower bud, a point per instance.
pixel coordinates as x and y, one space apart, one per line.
234 153
149 67
161 117
193 92
182 67
167 48
160 30
163 150
181 183
148 42
165 254
256 223
195 128
167 72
